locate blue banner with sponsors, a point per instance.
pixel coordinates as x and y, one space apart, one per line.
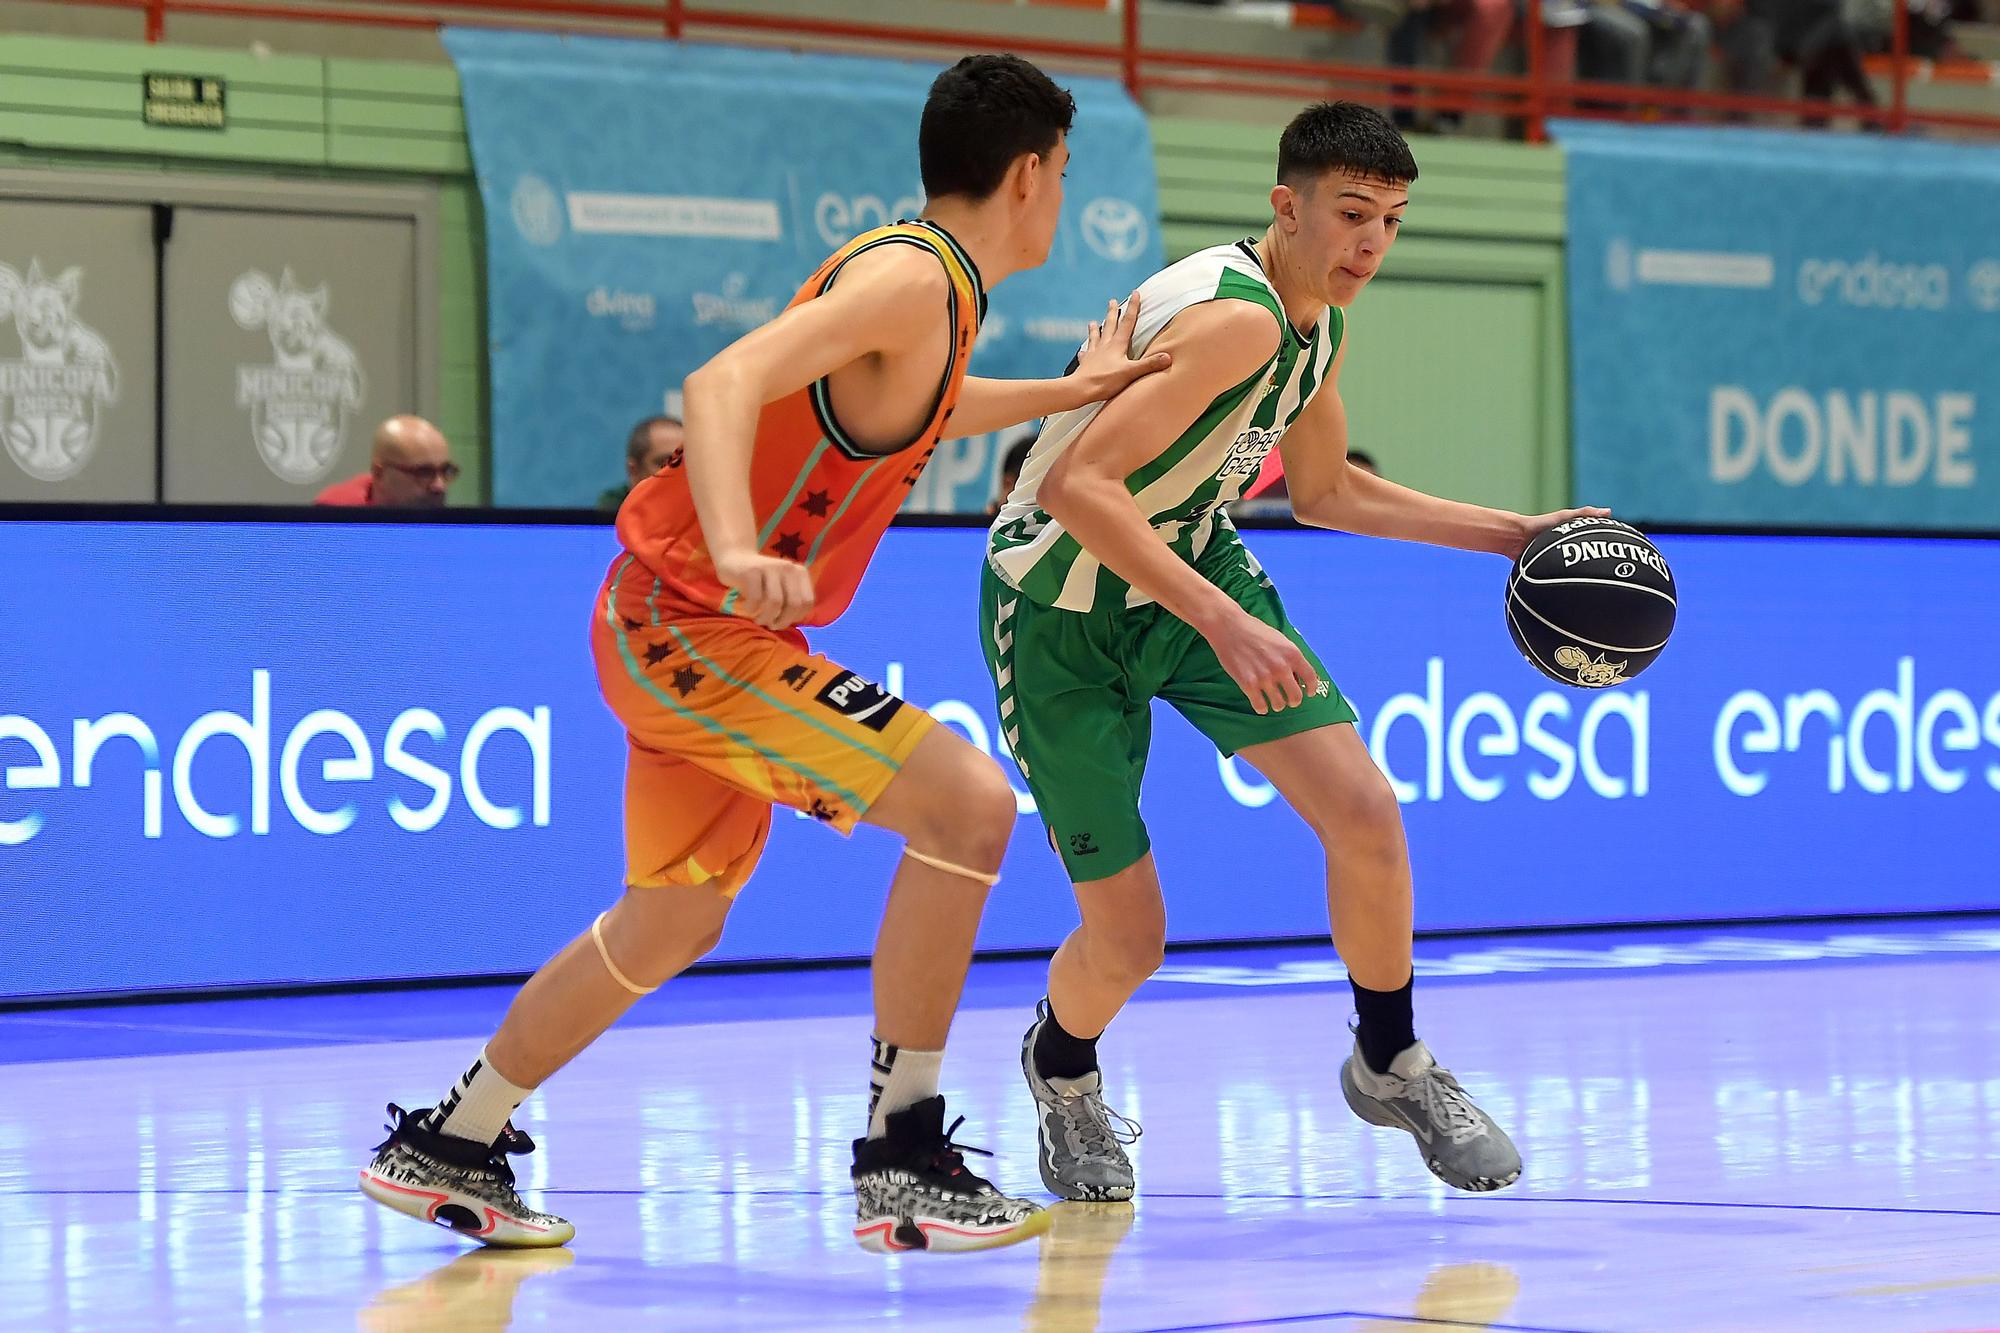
385 756
1779 328
647 203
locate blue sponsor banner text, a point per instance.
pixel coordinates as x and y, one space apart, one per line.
1779 328
315 752
647 203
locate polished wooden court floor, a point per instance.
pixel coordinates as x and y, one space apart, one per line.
1723 1130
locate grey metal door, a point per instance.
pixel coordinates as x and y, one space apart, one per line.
288 337
76 351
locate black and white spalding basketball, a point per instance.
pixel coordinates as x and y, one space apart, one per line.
1591 602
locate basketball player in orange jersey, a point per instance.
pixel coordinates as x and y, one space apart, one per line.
802 439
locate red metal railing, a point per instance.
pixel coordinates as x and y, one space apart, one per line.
1530 98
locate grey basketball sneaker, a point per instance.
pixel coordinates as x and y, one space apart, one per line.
1460 1143
1082 1150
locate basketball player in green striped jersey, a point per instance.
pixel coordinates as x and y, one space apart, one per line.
1115 577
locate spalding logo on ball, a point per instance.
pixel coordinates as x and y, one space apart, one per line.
1591 602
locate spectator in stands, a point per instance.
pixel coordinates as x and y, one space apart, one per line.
1872 24
1825 39
1010 472
410 467
1930 30
653 444
1662 43
1477 31
1747 41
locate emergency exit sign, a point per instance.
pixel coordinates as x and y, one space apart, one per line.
184 101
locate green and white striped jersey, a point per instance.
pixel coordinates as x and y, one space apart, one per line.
1182 491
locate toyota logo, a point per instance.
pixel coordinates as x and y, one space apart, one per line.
1114 228
1618 265
537 211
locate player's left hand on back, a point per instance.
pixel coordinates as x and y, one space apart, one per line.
1533 525
1106 364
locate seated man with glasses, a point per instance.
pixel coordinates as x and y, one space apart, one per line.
410 468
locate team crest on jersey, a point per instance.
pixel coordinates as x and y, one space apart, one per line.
52 396
859 700
301 403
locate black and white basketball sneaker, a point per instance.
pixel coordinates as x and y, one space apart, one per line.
464 1186
913 1191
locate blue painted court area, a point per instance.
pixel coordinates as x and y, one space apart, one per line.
1729 1128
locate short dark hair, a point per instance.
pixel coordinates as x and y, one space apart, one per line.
1346 137
641 438
983 113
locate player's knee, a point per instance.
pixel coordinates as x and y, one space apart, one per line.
1130 955
1358 811
700 946
969 820
655 934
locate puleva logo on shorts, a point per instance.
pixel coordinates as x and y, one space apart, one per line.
51 397
300 404
859 700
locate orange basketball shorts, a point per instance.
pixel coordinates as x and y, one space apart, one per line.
725 719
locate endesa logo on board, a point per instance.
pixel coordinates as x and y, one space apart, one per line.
416 772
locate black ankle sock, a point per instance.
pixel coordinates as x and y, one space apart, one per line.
1059 1055
1387 1026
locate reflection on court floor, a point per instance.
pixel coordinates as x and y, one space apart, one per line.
1801 1143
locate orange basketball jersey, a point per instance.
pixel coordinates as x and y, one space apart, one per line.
819 498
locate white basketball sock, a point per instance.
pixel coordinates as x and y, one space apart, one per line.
899 1079
479 1105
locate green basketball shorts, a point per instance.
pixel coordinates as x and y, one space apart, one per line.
1075 692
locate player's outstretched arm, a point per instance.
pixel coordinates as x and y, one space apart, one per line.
884 302
1105 366
1215 347
1329 492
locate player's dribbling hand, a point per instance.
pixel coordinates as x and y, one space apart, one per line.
1532 526
1268 667
1106 365
775 593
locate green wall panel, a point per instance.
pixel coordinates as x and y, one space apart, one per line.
1457 378
75 103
